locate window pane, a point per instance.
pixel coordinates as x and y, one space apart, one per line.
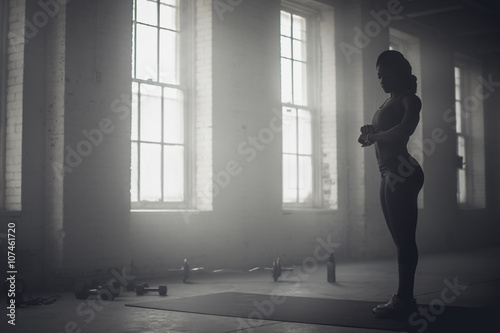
299 83
168 17
458 116
462 173
135 112
150 159
457 75
286 21
173 116
286 80
305 179
462 186
289 178
286 47
457 91
150 117
134 189
173 173
147 12
461 148
299 50
289 131
134 27
146 57
299 27
305 132
169 57
170 2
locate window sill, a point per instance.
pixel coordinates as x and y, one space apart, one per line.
172 211
298 210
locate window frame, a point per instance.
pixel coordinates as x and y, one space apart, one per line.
400 44
185 69
462 163
473 133
311 16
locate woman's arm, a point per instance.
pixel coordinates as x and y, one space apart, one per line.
411 105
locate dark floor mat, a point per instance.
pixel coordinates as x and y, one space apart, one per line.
253 308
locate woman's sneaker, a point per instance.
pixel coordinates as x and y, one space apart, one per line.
396 308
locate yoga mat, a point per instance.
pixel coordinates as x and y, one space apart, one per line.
253 308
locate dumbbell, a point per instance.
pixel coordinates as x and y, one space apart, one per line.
113 287
277 269
83 291
142 289
185 269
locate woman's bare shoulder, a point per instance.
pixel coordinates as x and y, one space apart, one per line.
413 101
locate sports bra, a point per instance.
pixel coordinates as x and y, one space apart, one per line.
388 115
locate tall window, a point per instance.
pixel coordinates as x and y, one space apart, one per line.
159 86
461 135
298 111
309 106
469 125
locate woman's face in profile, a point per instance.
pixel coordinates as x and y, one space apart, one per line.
388 79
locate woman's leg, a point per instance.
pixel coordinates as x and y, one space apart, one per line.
400 200
383 204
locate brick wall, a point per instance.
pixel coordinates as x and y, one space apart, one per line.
203 106
14 107
329 111
53 160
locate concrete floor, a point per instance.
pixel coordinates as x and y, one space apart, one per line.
479 270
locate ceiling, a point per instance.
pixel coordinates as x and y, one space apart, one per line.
474 23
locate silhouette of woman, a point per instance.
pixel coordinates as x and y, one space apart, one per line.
401 175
